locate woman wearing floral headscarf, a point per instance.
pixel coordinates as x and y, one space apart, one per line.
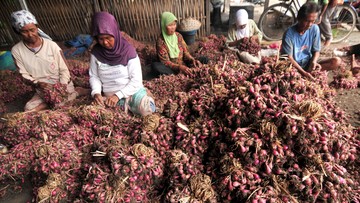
115 69
172 49
244 27
40 61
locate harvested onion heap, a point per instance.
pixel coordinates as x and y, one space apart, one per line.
45 125
161 139
248 45
256 133
17 164
55 95
12 86
181 168
345 80
59 160
136 173
79 72
95 184
198 189
213 47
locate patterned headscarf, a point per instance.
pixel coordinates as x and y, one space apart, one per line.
170 40
242 18
122 52
23 17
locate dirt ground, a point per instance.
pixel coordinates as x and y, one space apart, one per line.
348 100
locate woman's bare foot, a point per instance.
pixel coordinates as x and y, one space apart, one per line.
355 68
327 43
325 49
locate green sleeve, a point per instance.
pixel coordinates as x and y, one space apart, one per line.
255 30
231 34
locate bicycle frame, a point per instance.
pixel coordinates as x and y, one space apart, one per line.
294 5
354 9
285 12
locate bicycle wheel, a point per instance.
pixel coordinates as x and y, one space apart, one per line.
275 20
343 21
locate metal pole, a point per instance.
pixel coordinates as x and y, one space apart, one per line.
23 4
266 4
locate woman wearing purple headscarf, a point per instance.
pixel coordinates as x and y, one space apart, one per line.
115 69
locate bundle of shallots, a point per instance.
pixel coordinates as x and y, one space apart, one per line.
248 45
55 95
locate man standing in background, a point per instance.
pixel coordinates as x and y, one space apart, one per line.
327 8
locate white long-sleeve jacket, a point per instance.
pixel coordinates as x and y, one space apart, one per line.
121 80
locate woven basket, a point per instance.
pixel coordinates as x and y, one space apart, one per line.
189 24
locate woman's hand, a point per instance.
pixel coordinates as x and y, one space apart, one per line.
314 66
184 69
197 63
98 99
112 100
255 39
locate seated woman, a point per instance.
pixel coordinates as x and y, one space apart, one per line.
244 28
301 43
39 60
115 69
172 49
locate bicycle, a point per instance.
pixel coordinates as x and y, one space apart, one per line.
356 8
343 21
277 18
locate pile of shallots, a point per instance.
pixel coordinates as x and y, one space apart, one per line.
344 79
230 132
12 86
249 45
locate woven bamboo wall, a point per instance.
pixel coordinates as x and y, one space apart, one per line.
141 18
7 35
64 19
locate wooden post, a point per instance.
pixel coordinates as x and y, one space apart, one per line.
207 10
96 7
23 4
102 5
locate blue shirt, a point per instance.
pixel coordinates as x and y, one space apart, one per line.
301 47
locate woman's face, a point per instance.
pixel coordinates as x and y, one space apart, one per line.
30 33
240 27
307 22
170 29
106 41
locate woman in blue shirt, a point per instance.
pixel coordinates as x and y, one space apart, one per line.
301 43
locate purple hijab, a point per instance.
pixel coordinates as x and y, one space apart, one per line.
105 23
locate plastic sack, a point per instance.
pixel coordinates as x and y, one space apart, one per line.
7 61
79 43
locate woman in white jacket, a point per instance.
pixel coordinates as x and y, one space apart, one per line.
115 69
